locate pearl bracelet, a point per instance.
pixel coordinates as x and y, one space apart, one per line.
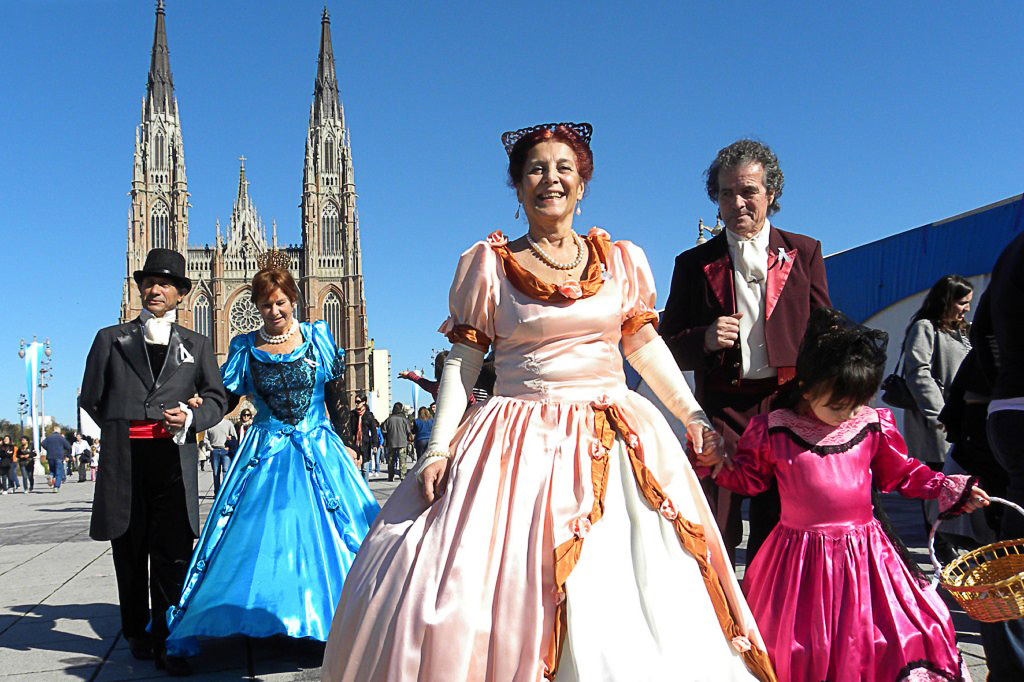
436 454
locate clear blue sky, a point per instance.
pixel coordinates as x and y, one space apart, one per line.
885 116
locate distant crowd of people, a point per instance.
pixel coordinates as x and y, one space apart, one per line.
60 459
391 445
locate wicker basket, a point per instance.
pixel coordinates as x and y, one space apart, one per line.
988 583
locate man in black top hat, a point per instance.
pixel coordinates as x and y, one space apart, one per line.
138 378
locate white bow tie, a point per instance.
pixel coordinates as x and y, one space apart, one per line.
158 329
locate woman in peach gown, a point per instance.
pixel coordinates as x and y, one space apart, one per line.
555 531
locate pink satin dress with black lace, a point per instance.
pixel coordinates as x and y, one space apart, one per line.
830 593
571 540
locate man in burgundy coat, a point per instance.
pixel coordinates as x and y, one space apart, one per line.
736 313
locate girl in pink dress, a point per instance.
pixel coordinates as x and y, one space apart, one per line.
835 598
555 531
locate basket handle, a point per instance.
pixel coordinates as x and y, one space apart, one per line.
935 528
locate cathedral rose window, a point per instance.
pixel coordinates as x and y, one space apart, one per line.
244 316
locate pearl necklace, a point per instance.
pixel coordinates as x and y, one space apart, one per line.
278 338
551 262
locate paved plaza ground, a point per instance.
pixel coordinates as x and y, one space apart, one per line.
58 600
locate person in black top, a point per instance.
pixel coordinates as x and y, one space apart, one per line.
362 427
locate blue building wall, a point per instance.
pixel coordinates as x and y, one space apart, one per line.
869 278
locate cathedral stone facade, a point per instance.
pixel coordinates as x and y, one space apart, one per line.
327 264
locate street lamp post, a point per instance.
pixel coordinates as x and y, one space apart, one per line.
45 375
22 411
713 231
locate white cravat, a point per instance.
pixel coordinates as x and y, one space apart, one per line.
158 329
750 273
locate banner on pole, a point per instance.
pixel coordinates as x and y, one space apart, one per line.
32 357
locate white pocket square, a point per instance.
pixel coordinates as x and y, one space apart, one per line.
185 355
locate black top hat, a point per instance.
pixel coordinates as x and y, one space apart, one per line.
165 263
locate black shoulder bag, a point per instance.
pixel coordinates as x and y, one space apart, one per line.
894 387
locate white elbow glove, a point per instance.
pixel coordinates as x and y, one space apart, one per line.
654 362
461 370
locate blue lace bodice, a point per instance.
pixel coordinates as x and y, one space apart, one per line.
286 387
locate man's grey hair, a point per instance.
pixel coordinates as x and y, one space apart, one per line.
743 152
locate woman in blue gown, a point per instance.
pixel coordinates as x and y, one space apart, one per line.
293 510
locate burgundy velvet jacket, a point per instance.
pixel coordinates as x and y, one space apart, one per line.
702 291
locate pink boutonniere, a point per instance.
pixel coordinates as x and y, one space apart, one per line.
668 510
598 232
496 238
601 402
571 289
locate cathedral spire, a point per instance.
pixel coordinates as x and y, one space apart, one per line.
243 184
326 104
160 85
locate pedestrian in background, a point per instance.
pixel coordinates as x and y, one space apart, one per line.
220 456
363 428
84 458
203 447
58 449
7 478
12 480
397 436
244 422
26 458
935 345
421 429
79 449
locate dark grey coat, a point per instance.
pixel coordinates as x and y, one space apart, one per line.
931 360
119 386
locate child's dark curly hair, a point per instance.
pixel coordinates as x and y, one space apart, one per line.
838 357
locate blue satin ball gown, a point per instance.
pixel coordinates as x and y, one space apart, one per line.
292 512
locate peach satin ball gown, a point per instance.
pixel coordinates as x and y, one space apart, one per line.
571 540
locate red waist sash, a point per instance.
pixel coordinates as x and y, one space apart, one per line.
147 429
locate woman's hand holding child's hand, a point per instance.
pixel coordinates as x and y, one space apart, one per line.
709 450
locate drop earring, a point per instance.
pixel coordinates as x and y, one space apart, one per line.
579 207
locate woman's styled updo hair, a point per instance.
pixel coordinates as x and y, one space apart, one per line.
839 357
270 278
579 146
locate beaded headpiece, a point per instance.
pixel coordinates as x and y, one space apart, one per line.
509 139
273 260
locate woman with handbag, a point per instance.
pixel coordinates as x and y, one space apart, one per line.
935 345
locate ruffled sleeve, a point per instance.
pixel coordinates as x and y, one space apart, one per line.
330 357
638 291
895 470
473 297
235 372
753 465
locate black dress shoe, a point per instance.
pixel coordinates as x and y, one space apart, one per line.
175 666
141 648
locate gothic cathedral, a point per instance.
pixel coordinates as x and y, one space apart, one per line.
327 264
